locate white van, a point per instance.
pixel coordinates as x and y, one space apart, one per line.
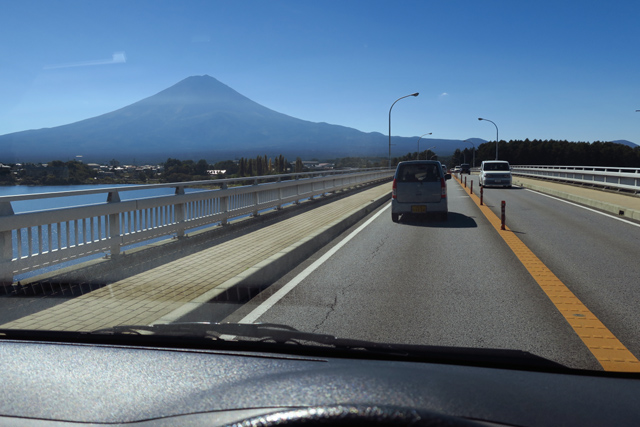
419 188
495 173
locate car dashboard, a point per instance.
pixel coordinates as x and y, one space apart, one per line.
55 383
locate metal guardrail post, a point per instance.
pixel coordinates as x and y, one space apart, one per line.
256 199
324 187
114 225
297 178
224 205
179 214
6 247
313 189
279 207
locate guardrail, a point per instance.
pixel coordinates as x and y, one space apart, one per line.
627 179
33 240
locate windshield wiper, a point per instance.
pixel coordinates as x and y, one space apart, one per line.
278 338
229 331
284 334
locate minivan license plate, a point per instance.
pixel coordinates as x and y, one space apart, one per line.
418 209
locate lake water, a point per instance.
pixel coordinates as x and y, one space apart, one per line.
63 202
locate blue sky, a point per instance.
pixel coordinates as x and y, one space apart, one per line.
538 69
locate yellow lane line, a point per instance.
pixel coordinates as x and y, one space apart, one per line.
607 349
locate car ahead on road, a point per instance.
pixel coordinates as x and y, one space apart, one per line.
465 168
419 187
456 169
495 173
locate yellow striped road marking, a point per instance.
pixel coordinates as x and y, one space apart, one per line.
607 349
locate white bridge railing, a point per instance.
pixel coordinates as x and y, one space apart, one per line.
33 240
610 177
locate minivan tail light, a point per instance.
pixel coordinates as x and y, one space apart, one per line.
394 189
443 185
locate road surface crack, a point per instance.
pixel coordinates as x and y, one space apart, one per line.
376 249
332 308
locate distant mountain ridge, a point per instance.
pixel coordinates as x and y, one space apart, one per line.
627 143
200 117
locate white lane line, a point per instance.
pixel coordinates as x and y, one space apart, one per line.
584 207
273 299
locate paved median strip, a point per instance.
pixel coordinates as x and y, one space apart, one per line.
607 349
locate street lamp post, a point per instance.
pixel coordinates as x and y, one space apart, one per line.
497 139
474 152
394 103
419 143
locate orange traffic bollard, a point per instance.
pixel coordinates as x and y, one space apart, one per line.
504 204
481 195
471 187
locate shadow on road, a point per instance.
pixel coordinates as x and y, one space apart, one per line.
454 220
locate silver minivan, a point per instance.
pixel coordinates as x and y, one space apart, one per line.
419 187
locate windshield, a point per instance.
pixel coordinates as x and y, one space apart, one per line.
234 162
496 166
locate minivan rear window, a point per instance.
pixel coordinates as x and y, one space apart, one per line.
419 173
496 166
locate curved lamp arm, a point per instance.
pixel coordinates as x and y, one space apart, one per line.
394 103
497 139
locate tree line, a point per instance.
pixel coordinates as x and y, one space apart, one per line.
55 172
554 152
176 170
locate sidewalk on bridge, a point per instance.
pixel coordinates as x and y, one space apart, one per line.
619 203
166 293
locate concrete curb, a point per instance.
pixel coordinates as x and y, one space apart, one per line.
605 206
277 265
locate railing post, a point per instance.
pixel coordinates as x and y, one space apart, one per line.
324 185
180 217
6 247
114 225
279 207
297 178
255 198
224 205
313 186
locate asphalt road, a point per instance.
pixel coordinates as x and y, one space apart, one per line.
457 282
